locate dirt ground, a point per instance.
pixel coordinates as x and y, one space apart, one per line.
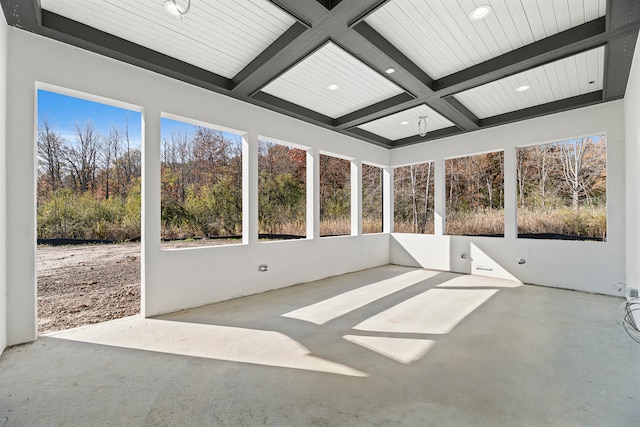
84 284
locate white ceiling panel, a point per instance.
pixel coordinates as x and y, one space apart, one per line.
307 83
568 77
217 35
439 36
405 123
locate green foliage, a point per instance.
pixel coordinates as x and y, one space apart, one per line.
213 210
201 185
174 215
281 203
337 204
281 189
335 195
66 214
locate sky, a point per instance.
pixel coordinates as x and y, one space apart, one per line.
63 112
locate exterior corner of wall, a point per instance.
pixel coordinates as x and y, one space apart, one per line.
3 182
632 174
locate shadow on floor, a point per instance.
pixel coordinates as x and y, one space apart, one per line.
386 346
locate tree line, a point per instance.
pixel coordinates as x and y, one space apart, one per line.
561 191
282 190
201 184
570 173
89 184
89 187
562 188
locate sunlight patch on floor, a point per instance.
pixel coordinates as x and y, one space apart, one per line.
474 281
403 350
332 308
260 347
436 311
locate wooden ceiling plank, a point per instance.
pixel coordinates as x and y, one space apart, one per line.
317 24
544 109
575 40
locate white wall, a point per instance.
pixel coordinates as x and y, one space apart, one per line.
3 248
588 266
632 172
172 279
179 279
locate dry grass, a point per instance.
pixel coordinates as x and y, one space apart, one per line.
590 222
489 222
336 227
587 222
370 226
407 227
290 228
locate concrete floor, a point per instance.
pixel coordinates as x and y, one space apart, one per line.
387 346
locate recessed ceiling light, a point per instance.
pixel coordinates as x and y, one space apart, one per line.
480 12
390 70
333 87
404 123
523 88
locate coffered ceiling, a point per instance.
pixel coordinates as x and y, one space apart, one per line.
369 69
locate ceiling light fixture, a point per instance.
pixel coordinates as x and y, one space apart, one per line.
333 87
422 125
390 70
175 9
480 12
404 123
523 88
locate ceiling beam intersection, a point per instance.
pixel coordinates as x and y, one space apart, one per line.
567 43
344 23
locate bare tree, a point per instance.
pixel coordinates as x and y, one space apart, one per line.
50 153
110 151
572 157
178 164
82 156
428 196
371 199
522 169
414 196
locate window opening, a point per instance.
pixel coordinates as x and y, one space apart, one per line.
88 211
282 191
371 199
562 189
201 185
475 195
335 196
413 189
